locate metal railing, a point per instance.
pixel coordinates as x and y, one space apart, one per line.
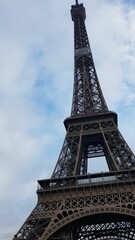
97 178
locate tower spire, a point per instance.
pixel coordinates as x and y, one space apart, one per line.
76 2
88 98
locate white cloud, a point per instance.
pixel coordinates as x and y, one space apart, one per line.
112 27
36 80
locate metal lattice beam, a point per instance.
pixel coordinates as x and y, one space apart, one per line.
87 96
95 138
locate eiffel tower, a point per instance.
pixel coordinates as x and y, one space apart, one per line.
74 204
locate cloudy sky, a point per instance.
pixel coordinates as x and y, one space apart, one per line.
36 80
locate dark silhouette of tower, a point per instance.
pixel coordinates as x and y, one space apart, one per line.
74 204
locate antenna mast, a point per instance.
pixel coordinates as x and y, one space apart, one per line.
76 2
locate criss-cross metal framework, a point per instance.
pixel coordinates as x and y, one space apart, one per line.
74 204
92 129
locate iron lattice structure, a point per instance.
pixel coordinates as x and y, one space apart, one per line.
73 204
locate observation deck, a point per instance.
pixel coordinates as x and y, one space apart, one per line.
96 179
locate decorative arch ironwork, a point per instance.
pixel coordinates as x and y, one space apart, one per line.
65 218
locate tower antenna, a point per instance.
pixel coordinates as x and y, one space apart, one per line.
76 2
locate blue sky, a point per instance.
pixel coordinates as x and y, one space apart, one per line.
36 81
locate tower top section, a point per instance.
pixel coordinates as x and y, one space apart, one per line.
78 10
88 98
